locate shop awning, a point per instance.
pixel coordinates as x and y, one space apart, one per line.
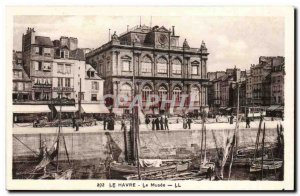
30 109
228 109
96 108
66 108
273 107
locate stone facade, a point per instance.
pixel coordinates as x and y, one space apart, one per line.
161 66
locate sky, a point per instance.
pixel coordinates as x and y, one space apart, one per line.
231 41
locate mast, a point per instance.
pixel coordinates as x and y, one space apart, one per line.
201 142
263 149
79 101
234 151
59 129
135 120
204 160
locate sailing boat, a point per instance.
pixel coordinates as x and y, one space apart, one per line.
268 164
205 164
48 156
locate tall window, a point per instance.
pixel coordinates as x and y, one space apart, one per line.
177 93
60 82
60 68
195 93
162 91
162 65
126 66
146 65
47 66
176 67
146 92
67 82
47 52
195 66
95 85
126 90
68 69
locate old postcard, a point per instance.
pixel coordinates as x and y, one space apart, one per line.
150 98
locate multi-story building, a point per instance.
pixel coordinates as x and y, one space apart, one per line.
21 81
38 55
161 66
214 90
259 80
55 70
277 81
249 100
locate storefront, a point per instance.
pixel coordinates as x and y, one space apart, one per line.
67 112
96 111
29 113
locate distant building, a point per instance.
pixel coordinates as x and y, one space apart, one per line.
21 81
214 89
277 81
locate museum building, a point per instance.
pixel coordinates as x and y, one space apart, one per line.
159 65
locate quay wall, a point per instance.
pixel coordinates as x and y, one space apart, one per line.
153 144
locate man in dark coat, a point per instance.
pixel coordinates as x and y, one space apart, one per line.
157 123
153 124
189 122
73 122
247 122
161 123
166 123
231 119
104 123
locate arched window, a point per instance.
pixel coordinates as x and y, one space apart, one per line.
195 67
177 93
126 90
176 66
162 65
126 63
146 64
147 90
162 91
195 93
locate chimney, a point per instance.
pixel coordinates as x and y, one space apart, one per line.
173 30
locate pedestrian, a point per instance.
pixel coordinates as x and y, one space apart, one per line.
112 124
153 124
247 122
147 121
161 123
104 123
73 122
184 122
231 119
209 173
189 122
166 124
157 123
122 124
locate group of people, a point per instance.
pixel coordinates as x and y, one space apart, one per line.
161 123
186 122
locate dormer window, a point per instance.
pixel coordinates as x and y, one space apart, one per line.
92 74
64 54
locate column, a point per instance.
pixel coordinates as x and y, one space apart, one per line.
117 63
154 68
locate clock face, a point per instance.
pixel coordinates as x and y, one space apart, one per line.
163 39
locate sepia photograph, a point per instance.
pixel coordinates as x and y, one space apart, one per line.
167 98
